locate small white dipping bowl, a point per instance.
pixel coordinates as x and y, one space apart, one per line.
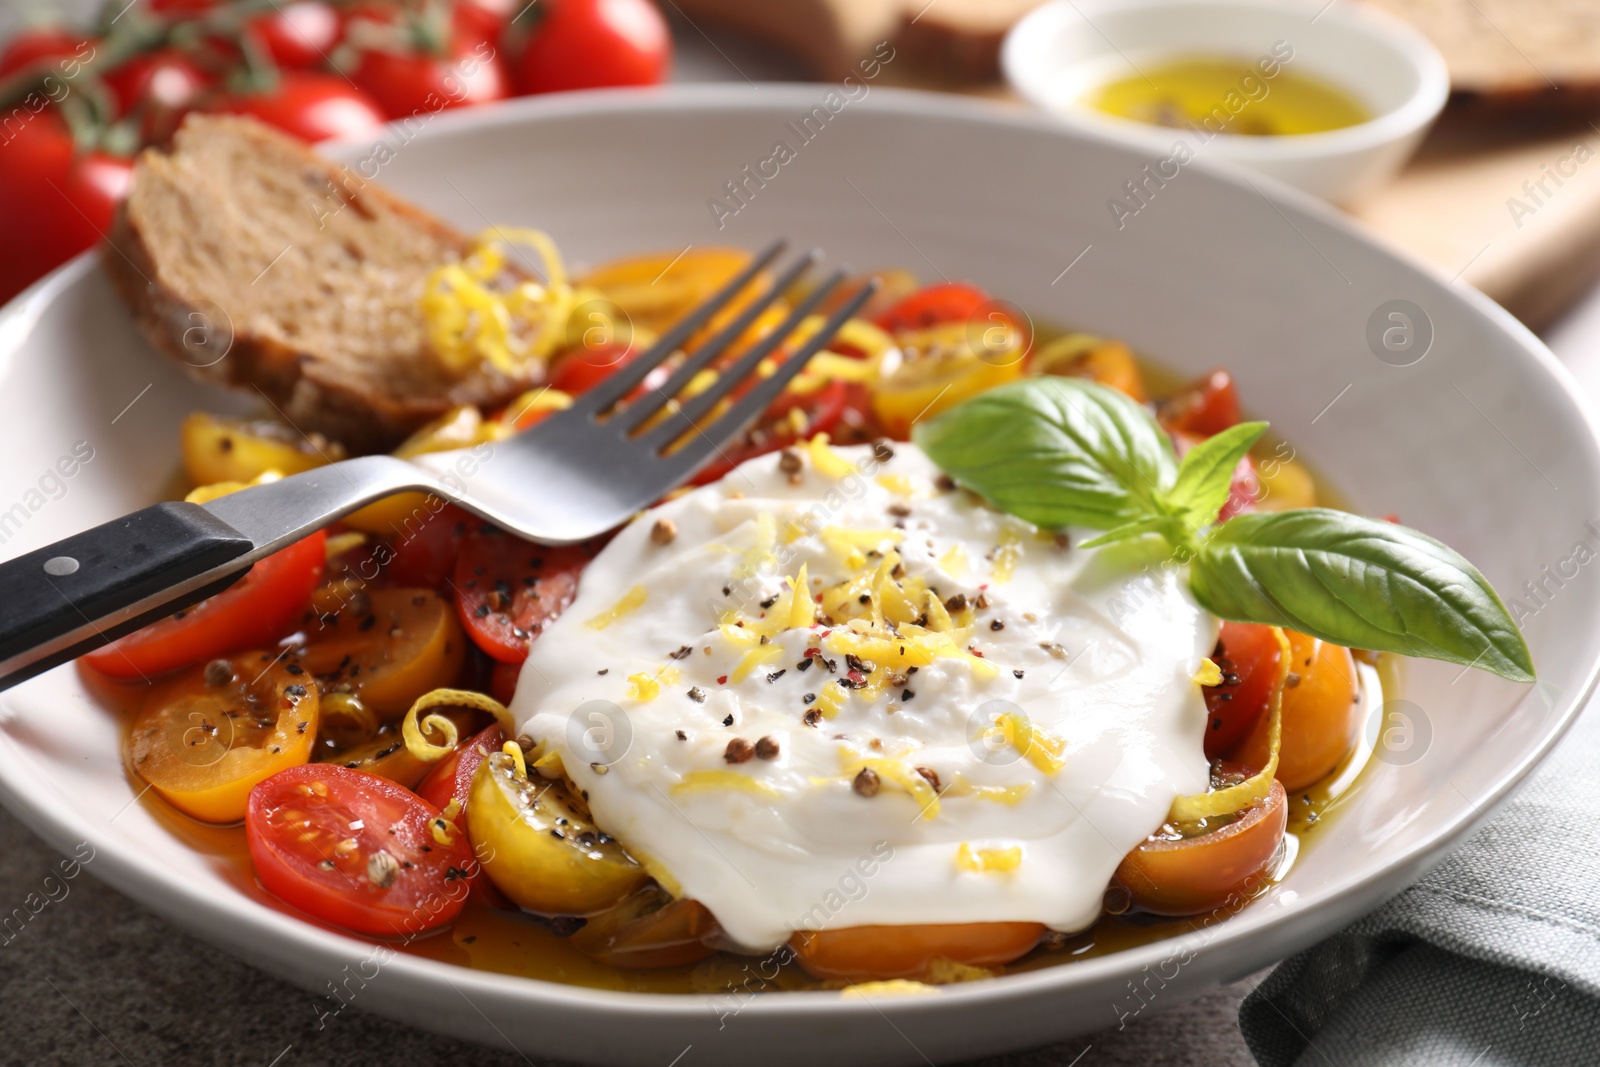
1065 49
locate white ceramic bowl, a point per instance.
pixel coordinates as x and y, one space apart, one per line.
1065 48
1481 441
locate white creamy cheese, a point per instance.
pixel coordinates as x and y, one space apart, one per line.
1085 658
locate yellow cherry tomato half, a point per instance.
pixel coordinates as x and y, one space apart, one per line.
204 738
218 449
387 646
953 363
648 930
1320 715
540 848
871 953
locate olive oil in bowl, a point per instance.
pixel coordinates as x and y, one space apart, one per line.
1223 95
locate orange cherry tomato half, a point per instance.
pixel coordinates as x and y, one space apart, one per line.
642 933
252 613
356 850
1191 875
508 590
1320 715
404 643
1248 656
866 953
205 738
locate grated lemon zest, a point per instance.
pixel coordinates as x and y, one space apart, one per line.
756 657
830 701
984 860
415 731
1039 747
954 562
826 460
206 493
802 609
631 601
1011 795
892 987
1208 674
514 750
851 545
1006 555
707 781
761 553
534 402
897 773
643 687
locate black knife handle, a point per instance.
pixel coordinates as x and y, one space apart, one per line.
85 591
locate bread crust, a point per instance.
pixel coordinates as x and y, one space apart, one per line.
369 403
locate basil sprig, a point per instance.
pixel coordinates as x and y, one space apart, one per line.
1069 452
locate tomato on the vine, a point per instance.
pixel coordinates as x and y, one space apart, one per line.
252 613
591 44
421 82
311 106
357 850
508 589
70 197
297 35
30 46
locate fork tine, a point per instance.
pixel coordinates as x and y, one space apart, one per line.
684 419
637 411
753 403
620 384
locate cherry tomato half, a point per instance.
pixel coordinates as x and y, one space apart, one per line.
647 931
1171 875
1204 407
387 646
934 305
206 737
1320 715
311 106
821 412
1248 655
590 44
356 850
425 554
252 613
863 953
508 590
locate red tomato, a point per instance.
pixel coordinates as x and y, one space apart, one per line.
1242 490
419 83
297 35
182 7
252 613
1248 655
398 878
480 20
161 85
1205 407
451 778
311 106
577 370
503 681
508 589
427 558
70 198
823 411
31 46
590 44
933 306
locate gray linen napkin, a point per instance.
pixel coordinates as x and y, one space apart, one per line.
1492 960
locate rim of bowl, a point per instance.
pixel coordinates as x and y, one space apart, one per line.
142 879
1396 37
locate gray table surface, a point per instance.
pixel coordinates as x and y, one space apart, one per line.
95 978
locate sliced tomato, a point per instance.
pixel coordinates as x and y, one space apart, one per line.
647 931
821 412
386 646
934 305
577 370
356 850
1321 715
1204 407
1174 875
426 558
1248 655
868 953
508 590
451 778
205 738
253 613
503 681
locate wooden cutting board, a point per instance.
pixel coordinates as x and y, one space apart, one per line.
1509 208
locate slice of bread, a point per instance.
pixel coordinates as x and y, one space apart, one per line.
259 264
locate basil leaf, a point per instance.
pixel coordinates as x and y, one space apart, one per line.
1357 582
1163 525
1056 452
1205 476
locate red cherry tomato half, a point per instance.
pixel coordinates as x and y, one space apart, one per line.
1205 407
590 44
508 590
427 557
297 35
503 681
417 83
30 46
451 778
822 412
70 197
356 850
252 613
311 106
1248 655
577 370
934 305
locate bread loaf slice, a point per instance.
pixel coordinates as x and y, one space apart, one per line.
260 265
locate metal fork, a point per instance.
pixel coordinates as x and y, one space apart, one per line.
571 476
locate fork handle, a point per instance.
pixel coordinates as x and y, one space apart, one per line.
83 592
